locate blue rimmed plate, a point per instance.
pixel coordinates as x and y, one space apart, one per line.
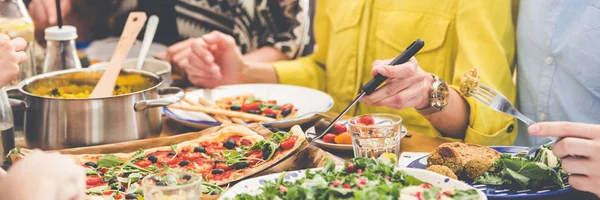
421 163
252 186
306 100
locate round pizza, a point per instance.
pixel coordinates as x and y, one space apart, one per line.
232 153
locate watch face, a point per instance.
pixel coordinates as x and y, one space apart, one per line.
441 95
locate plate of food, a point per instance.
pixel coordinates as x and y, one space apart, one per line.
497 172
230 154
361 178
338 137
272 105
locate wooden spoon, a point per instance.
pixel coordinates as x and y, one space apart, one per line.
107 82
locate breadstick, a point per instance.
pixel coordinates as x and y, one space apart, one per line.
220 119
228 113
208 103
237 120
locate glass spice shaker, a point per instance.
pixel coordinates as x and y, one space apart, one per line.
61 53
6 125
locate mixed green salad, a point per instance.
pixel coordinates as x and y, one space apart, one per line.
362 178
518 173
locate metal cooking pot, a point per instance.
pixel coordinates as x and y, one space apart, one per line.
58 123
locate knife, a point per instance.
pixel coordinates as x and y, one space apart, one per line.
368 88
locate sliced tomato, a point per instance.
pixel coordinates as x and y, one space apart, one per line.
143 163
93 181
173 160
245 142
250 106
223 166
218 177
254 157
269 111
235 138
272 102
288 143
287 105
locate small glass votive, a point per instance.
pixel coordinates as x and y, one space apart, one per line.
376 136
172 185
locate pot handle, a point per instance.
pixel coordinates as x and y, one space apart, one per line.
17 105
145 104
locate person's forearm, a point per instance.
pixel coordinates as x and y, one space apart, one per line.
454 119
265 54
255 72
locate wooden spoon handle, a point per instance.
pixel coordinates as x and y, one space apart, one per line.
134 25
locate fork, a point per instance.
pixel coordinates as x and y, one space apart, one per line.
498 102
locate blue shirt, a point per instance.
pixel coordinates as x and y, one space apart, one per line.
558 45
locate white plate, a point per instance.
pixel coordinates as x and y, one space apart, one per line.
343 147
306 100
252 186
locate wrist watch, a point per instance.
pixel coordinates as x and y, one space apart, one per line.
438 97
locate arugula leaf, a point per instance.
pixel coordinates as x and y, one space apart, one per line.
489 179
279 136
11 152
232 157
250 100
522 181
133 188
109 160
139 155
431 193
97 190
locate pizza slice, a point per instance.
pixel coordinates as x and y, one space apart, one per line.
232 153
248 103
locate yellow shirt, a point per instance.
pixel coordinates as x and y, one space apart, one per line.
459 35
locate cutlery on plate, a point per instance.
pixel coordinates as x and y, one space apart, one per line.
368 88
498 102
531 150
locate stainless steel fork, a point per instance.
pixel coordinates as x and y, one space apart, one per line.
498 102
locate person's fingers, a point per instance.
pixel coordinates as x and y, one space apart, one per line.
389 89
224 41
403 70
403 99
19 44
180 55
2 174
49 9
198 59
202 64
565 129
582 166
4 37
576 146
21 56
177 47
377 64
584 183
199 48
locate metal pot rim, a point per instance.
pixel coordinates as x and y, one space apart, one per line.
29 80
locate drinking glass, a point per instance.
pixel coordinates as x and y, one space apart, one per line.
173 188
376 135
